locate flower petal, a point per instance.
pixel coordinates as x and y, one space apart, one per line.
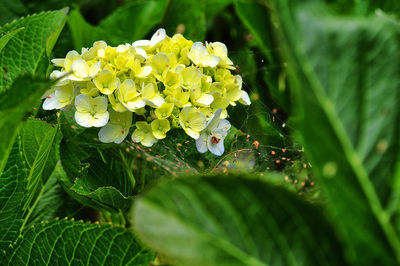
205 100
210 60
80 69
84 119
83 103
100 120
244 98
100 104
201 143
157 37
51 102
216 148
109 133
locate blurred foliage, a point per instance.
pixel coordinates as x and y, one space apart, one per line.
310 173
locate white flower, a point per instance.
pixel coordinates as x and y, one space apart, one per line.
118 127
59 97
91 112
82 71
212 137
201 57
244 98
156 39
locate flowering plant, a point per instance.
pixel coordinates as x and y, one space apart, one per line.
165 81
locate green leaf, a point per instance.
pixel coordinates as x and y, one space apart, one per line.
255 17
12 190
214 7
83 34
11 10
66 242
7 36
15 103
117 28
345 74
108 198
187 13
220 220
144 14
38 138
54 202
26 50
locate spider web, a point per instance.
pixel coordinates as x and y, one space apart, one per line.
260 141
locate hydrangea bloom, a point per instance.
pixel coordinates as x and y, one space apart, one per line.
166 81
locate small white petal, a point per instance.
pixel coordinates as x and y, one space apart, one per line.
58 62
157 37
156 101
80 69
122 136
192 133
205 100
222 127
84 119
94 69
214 119
210 60
141 43
109 133
216 148
134 105
51 102
83 103
100 120
244 98
201 143
145 71
100 104
141 52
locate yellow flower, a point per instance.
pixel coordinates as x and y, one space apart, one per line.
160 127
106 82
129 96
219 49
71 57
164 111
143 134
151 95
59 97
82 71
179 98
192 121
200 56
155 41
91 112
117 129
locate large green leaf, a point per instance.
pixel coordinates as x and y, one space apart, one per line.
255 17
145 15
345 74
54 202
128 23
7 36
40 146
64 242
220 220
187 13
15 103
105 182
26 51
12 189
10 10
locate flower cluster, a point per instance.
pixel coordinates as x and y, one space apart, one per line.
166 81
